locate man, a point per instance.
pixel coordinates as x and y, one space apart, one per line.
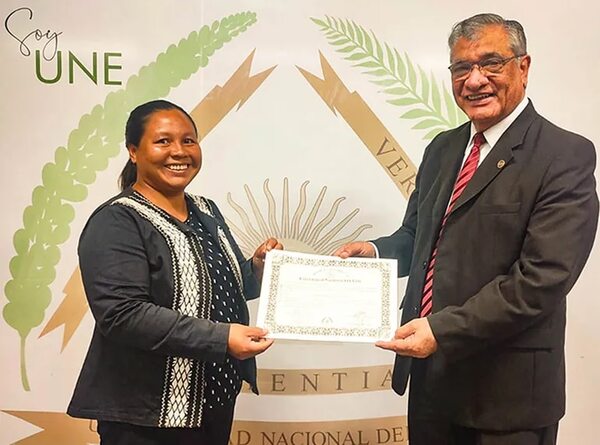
497 231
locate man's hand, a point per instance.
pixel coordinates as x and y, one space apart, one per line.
258 259
414 339
357 248
245 341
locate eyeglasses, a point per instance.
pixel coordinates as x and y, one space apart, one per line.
487 67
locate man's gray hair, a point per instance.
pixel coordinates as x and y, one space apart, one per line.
471 27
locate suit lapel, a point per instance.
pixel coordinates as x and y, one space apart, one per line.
498 158
491 166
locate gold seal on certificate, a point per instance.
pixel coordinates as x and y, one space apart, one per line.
326 298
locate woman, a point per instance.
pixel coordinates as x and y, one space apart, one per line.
167 286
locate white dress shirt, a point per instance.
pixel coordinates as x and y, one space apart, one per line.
493 134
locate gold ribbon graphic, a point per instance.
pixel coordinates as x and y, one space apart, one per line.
371 131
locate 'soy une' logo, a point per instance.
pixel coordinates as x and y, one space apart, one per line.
42 43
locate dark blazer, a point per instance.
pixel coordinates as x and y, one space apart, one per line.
512 248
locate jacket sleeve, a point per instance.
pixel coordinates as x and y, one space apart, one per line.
116 275
250 282
558 241
400 244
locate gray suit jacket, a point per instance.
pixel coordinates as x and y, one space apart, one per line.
512 248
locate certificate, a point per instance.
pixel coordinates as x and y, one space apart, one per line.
326 298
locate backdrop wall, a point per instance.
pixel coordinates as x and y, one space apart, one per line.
314 117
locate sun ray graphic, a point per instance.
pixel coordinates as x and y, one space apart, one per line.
311 230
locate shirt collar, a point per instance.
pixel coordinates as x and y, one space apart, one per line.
493 134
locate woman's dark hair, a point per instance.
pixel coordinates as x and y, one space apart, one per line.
134 130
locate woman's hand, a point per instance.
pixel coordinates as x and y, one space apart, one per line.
245 341
258 259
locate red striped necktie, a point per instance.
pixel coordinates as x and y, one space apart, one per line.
464 176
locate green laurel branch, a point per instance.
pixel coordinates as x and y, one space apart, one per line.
46 222
432 108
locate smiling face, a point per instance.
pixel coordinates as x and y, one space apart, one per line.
168 156
489 99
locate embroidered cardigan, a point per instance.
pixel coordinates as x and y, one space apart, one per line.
149 291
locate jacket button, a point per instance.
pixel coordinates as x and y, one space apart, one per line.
424 265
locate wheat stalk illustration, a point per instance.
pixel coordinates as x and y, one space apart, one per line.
46 222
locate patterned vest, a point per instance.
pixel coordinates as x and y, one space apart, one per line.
183 396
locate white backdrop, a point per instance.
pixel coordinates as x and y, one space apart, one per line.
283 130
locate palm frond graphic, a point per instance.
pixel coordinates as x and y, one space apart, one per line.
408 84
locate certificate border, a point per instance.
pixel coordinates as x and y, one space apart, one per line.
280 259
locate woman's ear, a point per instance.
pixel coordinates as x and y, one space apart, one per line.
132 149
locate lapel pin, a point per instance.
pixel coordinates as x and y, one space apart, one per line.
501 163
